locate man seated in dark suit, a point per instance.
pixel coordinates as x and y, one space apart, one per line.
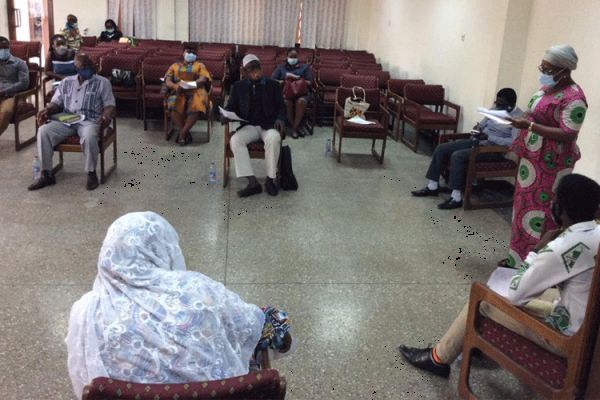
259 101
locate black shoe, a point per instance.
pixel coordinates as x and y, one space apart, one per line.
295 135
250 190
450 204
271 187
44 180
425 192
92 181
421 358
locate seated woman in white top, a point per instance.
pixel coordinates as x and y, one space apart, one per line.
148 320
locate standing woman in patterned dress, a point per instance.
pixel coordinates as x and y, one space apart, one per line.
547 149
185 105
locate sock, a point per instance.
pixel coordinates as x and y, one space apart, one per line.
456 195
435 357
432 185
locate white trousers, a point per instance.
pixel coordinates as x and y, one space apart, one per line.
54 132
248 134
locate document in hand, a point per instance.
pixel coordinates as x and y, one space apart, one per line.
188 84
68 118
361 121
500 280
499 116
290 75
230 115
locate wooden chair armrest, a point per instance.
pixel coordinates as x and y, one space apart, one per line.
339 109
395 96
24 94
481 293
447 137
113 125
454 106
418 107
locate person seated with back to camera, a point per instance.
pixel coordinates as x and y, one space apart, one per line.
60 61
186 104
563 258
149 320
111 32
259 101
14 78
457 152
85 93
293 70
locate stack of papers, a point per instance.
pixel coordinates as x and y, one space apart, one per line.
290 75
188 84
361 121
499 116
230 115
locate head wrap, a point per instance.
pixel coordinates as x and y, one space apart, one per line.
248 59
148 320
562 56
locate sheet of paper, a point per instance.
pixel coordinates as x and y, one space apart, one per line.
361 121
290 75
500 280
81 118
499 116
230 115
188 84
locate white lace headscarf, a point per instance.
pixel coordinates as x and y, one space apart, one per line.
148 320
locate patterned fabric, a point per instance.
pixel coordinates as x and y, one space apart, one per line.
549 367
542 163
73 37
88 98
190 100
265 384
147 319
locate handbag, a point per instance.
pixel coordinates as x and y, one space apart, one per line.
293 89
356 106
287 180
122 77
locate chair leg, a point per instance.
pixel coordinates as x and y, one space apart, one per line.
225 170
383 149
144 117
464 391
339 154
102 176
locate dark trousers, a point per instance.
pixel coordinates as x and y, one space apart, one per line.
457 153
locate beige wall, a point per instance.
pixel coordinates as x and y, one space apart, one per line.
90 15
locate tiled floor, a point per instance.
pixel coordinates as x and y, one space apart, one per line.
360 265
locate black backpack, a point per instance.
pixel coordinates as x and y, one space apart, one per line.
287 180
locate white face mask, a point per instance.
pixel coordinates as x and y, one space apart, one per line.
548 80
189 57
292 61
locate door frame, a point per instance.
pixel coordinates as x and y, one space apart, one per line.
47 21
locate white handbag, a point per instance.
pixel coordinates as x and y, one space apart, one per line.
356 105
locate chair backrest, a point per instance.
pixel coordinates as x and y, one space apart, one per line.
332 76
19 50
121 61
372 96
364 81
161 59
152 73
359 65
396 86
216 68
425 94
89 41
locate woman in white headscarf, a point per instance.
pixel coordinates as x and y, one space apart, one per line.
547 149
148 320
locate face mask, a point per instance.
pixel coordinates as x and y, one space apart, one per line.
556 211
4 54
189 57
85 73
111 30
62 50
292 61
73 25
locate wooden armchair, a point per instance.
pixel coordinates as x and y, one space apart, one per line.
364 81
483 169
24 109
395 101
551 375
377 113
107 137
264 384
426 109
255 149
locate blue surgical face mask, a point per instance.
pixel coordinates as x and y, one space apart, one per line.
547 80
73 25
292 61
189 57
4 54
85 73
111 30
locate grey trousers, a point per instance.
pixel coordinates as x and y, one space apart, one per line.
54 132
457 152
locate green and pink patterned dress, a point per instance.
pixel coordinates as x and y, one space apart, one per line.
542 163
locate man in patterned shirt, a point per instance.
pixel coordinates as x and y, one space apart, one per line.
86 94
564 258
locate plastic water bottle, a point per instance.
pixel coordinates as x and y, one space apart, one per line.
36 168
212 174
328 147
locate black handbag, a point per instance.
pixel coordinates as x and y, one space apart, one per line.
122 77
287 180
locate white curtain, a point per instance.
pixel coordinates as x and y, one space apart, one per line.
134 17
324 23
257 22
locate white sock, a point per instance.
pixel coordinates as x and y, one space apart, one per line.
432 185
456 195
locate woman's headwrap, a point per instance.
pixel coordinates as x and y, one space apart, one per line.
562 56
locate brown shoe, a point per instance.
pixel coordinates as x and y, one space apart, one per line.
44 180
92 181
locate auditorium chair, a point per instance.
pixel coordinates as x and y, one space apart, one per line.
426 109
376 113
24 108
549 374
256 150
395 101
327 81
153 95
123 61
364 81
218 74
107 136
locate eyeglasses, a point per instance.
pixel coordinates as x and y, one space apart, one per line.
547 71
